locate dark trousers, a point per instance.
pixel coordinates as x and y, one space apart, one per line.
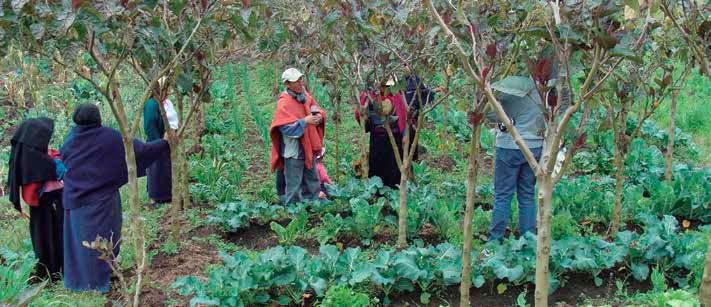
513 174
46 231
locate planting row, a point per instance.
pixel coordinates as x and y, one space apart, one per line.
283 275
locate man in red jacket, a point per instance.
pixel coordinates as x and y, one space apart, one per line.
296 133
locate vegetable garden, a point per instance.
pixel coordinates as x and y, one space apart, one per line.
623 182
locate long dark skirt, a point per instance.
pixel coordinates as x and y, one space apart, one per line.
83 270
46 227
160 180
381 160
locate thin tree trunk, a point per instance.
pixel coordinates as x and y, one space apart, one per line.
185 178
472 170
619 127
619 183
133 203
363 152
705 288
337 135
445 104
543 239
402 211
176 203
670 146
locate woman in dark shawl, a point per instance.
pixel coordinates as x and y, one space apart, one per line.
96 168
381 158
33 170
159 184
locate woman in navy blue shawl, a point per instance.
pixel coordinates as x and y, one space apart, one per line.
96 169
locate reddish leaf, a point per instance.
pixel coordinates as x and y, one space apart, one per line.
124 3
204 5
245 4
75 4
475 118
485 72
552 100
419 28
491 50
581 140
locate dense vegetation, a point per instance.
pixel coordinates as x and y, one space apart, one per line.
628 216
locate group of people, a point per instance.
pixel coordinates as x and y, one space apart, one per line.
297 131
73 193
297 134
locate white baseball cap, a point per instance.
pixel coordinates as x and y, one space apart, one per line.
391 81
291 75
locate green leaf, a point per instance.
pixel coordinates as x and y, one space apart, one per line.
634 4
598 281
640 271
17 5
202 300
514 85
406 267
262 297
29 293
362 272
284 278
37 30
501 288
318 284
401 14
425 298
246 13
298 256
176 6
625 52
478 281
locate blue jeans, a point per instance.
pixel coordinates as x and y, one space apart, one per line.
512 173
295 183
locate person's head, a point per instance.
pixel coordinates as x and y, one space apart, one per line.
87 114
35 132
292 80
157 88
387 86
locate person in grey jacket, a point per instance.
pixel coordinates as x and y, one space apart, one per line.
511 170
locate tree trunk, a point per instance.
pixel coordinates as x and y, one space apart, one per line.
176 203
337 123
467 221
363 152
402 211
133 203
185 180
705 288
619 126
619 183
543 239
670 146
445 104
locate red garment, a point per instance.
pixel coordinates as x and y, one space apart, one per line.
322 175
30 191
287 111
398 106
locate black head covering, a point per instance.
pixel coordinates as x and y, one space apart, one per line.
87 114
29 161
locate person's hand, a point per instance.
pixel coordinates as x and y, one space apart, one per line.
24 216
313 119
